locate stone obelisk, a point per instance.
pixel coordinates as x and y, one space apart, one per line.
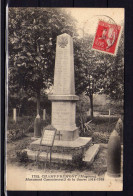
63 97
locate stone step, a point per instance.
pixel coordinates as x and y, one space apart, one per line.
78 145
63 157
43 156
91 153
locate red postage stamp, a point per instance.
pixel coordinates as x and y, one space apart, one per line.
107 37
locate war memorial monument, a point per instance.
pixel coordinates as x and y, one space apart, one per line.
66 145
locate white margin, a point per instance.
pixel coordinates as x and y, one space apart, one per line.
6 100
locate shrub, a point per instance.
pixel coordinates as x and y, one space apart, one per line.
99 128
23 125
102 120
22 156
17 130
14 134
82 108
100 137
30 128
46 122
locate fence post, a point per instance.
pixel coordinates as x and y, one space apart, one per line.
109 112
44 114
14 115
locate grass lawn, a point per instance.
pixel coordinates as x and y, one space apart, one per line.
18 142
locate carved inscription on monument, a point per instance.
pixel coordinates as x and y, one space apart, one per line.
48 137
63 113
62 41
64 67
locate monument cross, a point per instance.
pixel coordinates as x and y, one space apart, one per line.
59 134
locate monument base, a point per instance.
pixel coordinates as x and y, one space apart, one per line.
77 151
70 135
64 146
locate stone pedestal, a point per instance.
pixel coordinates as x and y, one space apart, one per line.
63 118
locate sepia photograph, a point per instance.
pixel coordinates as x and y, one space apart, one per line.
64 99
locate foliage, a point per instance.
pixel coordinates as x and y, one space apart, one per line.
100 137
23 126
22 156
19 129
97 72
103 121
14 134
106 71
99 128
22 122
82 107
32 43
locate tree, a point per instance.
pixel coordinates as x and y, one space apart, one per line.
97 72
89 69
113 84
32 42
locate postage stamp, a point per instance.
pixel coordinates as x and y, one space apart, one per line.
107 37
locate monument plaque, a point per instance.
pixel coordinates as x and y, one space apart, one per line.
48 138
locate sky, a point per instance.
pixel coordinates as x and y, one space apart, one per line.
87 18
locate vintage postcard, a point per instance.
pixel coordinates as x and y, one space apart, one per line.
64 99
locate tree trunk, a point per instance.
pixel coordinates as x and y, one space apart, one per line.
91 105
38 102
